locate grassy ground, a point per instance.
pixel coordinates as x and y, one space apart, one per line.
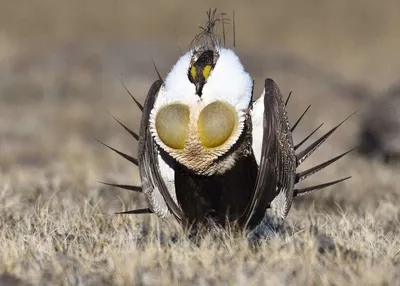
58 79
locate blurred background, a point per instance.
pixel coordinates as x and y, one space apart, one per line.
60 62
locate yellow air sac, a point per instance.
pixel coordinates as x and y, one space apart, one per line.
216 123
172 125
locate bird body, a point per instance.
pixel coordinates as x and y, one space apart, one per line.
208 153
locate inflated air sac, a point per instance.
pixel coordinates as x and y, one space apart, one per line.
216 123
172 125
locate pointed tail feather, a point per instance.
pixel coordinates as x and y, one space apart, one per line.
125 187
298 192
127 157
303 175
287 99
138 211
158 74
134 99
298 120
136 136
305 139
303 155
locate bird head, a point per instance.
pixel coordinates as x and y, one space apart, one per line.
201 65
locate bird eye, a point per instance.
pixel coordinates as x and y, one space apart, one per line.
216 123
172 125
206 71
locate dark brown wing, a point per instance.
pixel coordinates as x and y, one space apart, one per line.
158 197
277 163
286 158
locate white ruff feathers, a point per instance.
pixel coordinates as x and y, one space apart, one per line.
257 118
227 82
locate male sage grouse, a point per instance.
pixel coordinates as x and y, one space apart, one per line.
207 152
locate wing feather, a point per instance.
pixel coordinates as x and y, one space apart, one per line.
159 197
277 164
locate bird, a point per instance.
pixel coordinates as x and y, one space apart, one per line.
208 153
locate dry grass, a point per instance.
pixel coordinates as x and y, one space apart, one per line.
59 63
57 227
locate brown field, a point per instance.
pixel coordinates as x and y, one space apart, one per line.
59 68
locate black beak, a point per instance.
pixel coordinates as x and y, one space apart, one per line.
199 88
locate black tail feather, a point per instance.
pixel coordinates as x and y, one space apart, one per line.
305 139
134 99
136 136
158 73
127 157
287 99
298 192
126 187
138 211
303 175
298 120
303 155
